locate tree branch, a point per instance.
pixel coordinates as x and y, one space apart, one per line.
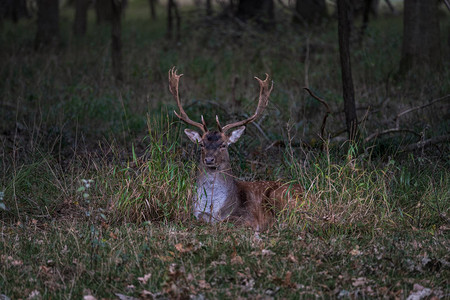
429 142
327 113
396 119
387 131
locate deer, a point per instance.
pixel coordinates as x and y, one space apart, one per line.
219 196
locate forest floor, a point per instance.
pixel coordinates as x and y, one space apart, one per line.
97 175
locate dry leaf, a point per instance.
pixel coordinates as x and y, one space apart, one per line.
361 281
355 251
34 295
182 249
144 279
237 260
292 258
203 284
266 252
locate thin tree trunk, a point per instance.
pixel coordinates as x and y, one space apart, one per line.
208 8
309 11
366 13
421 36
173 8
152 9
80 22
103 9
259 10
116 45
351 120
169 19
47 23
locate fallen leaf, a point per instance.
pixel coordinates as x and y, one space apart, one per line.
144 279
237 260
355 251
266 252
203 284
217 263
420 293
16 263
125 297
34 295
183 249
292 258
360 281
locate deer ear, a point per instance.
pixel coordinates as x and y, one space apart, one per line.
235 135
193 135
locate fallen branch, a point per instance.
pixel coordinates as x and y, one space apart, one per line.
429 142
388 131
397 117
327 113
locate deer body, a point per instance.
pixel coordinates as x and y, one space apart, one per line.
219 195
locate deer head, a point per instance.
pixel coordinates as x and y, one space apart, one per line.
214 144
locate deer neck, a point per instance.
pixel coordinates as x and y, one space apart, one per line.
217 195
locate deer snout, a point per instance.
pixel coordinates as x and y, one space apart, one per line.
210 160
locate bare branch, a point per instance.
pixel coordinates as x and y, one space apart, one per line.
429 142
388 131
396 119
327 113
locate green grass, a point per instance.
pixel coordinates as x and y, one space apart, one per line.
374 221
218 262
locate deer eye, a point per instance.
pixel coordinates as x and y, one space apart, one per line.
223 146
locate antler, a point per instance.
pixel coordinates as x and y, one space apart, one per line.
173 88
264 94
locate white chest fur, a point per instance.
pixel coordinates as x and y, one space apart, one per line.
212 199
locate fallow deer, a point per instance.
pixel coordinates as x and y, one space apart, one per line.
219 195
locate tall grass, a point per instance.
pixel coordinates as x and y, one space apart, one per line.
158 185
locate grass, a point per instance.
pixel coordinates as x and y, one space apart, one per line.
218 262
374 222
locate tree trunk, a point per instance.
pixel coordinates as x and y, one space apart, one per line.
259 10
80 22
343 7
103 9
152 9
172 8
47 23
309 11
116 45
366 12
208 8
421 36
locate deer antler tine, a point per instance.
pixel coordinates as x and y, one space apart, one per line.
204 124
174 79
218 124
264 94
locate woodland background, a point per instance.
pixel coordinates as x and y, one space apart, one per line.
96 173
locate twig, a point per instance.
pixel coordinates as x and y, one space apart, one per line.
396 119
327 113
429 142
